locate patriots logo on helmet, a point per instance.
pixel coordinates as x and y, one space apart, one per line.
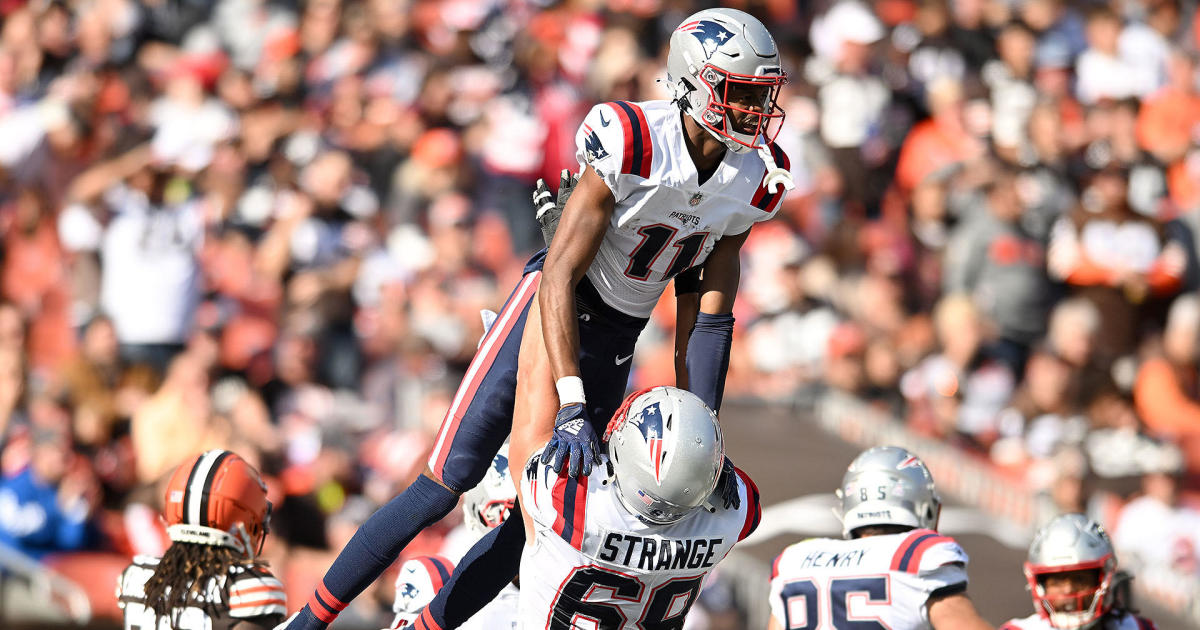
711 35
650 423
911 461
406 594
500 464
592 148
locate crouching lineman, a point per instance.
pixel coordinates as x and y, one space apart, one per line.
628 545
891 570
1073 577
485 507
217 514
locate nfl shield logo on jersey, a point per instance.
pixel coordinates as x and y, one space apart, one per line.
696 199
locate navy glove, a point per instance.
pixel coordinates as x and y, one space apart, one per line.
573 439
727 487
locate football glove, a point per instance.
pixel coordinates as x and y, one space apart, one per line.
574 439
727 487
548 206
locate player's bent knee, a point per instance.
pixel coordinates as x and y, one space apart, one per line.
428 472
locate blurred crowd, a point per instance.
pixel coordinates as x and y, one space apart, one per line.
271 225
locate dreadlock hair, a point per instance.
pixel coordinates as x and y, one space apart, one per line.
185 574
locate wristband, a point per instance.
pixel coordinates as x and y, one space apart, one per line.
570 390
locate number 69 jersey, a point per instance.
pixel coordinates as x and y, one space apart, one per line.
665 220
593 565
876 582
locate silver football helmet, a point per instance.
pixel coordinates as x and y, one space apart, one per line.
718 58
887 485
417 583
1069 543
489 503
666 451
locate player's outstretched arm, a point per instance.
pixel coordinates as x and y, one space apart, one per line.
687 308
955 612
712 336
576 241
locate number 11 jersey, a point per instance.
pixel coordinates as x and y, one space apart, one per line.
665 221
876 582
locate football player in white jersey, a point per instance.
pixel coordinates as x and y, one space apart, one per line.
629 545
667 189
209 578
1074 581
891 569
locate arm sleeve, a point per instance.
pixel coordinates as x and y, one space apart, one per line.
708 351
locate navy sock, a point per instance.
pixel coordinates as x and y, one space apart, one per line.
374 548
480 576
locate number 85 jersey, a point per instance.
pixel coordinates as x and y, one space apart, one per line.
874 582
593 565
665 220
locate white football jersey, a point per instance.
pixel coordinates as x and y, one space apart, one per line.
245 593
665 220
594 565
1114 621
884 581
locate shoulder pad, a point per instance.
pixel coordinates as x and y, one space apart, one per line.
925 550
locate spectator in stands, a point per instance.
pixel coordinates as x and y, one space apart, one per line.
958 392
1101 71
844 359
851 98
1043 409
1010 79
1044 185
940 142
996 261
45 507
1157 530
1115 258
1168 127
151 277
1167 391
1146 44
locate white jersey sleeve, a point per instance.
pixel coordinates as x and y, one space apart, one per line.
938 562
555 501
616 142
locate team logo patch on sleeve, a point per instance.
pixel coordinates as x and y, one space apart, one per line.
592 148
